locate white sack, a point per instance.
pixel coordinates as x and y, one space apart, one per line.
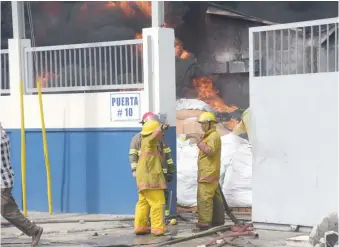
234 153
228 148
193 104
187 171
237 186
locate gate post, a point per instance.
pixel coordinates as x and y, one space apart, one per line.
159 85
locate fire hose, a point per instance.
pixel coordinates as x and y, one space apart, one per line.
180 239
237 231
227 209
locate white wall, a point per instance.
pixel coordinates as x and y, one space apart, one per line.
295 144
90 110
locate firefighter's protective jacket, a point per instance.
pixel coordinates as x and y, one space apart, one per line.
149 173
209 157
163 148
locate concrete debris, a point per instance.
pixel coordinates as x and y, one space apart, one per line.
329 223
331 239
81 221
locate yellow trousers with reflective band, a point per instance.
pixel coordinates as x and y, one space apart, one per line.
210 205
151 203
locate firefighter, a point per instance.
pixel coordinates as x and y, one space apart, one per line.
151 181
209 199
165 151
244 126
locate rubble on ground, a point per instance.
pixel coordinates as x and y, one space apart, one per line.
327 225
120 233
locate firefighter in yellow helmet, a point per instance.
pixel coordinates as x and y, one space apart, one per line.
151 181
209 199
165 152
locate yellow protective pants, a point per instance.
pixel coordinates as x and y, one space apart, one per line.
151 203
210 205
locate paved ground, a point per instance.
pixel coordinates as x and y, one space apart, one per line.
112 230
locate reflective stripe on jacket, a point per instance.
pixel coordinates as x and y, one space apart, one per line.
134 151
149 173
209 157
163 148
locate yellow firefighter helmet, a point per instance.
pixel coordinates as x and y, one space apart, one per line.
149 127
206 117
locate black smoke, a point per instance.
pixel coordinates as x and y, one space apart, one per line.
59 23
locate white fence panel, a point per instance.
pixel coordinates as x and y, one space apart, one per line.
298 48
104 66
4 73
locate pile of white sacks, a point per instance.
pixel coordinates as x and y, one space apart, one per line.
236 168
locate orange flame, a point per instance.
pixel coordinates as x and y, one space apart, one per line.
207 93
46 76
131 8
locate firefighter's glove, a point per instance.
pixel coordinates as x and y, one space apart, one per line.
164 127
169 177
134 174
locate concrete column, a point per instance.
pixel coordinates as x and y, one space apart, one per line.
18 20
159 84
16 47
158 13
16 63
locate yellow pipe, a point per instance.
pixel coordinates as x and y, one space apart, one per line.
44 139
23 150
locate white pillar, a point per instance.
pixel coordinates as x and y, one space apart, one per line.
16 47
18 19
159 71
158 13
16 63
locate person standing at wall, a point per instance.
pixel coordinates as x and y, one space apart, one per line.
9 208
151 181
209 199
244 126
165 154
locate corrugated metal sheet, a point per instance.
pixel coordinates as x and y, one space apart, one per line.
218 11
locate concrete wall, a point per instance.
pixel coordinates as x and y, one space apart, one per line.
295 142
88 153
225 39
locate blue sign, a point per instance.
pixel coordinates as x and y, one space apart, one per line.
125 106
